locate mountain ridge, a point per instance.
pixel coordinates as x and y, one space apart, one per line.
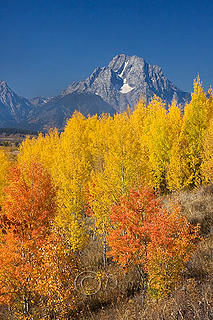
107 89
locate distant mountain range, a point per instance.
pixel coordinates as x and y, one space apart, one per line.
108 89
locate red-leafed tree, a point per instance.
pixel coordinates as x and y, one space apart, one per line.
157 240
26 218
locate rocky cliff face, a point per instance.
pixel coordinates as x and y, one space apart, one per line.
125 80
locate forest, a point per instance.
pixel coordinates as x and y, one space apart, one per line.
111 218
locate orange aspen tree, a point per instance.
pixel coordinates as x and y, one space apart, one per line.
54 275
27 214
158 241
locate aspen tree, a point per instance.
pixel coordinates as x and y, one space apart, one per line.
207 164
121 168
174 123
42 149
158 241
74 165
186 158
137 123
4 167
27 213
156 138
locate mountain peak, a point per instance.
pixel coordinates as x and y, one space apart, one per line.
4 86
125 80
13 107
5 92
3 83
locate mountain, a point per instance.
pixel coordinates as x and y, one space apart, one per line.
56 111
43 113
13 108
107 90
38 101
125 80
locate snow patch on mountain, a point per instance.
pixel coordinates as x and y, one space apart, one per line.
125 65
125 87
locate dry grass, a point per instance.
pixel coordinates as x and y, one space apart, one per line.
198 206
191 302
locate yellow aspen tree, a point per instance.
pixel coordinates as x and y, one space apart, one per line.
137 122
121 168
207 164
209 104
138 115
74 166
4 167
155 136
100 193
174 171
99 129
177 168
41 148
186 159
207 156
174 123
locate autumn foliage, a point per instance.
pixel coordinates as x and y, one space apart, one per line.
29 251
158 240
102 179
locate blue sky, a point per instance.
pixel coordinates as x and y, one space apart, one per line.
47 44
